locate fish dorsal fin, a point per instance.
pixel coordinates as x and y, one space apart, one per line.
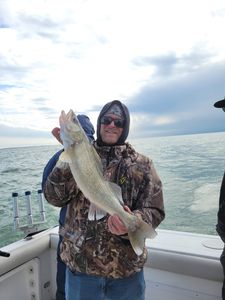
117 190
95 213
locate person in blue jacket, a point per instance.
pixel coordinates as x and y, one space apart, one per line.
61 267
220 226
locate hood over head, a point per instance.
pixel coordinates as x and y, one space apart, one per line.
119 109
220 103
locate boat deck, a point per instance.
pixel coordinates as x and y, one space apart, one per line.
184 266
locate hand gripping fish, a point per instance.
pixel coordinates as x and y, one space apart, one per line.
86 167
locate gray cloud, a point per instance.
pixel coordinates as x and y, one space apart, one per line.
41 104
7 131
189 99
175 94
171 64
42 26
164 64
10 69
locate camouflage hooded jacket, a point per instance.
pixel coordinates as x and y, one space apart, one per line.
88 246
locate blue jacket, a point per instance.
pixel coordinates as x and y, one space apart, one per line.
89 130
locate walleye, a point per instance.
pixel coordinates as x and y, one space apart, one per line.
86 168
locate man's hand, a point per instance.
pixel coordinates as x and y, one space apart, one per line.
56 134
116 225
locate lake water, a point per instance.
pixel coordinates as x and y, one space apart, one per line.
190 166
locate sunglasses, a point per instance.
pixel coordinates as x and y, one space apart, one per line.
117 122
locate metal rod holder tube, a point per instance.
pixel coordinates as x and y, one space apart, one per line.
15 211
29 209
41 205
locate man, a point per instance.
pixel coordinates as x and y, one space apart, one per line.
101 263
61 267
220 227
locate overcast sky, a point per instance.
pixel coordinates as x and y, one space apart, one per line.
164 59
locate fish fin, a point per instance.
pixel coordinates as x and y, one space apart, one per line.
95 213
137 237
117 190
66 139
65 158
97 160
61 164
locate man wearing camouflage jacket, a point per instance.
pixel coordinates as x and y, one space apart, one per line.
101 263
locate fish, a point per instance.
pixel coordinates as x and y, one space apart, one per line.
87 170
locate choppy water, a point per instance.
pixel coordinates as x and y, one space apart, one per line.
191 168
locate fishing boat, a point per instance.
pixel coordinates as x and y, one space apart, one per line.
180 266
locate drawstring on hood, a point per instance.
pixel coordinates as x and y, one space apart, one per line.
126 116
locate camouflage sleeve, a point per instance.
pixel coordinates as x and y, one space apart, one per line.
60 186
150 196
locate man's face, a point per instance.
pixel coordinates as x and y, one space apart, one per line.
110 133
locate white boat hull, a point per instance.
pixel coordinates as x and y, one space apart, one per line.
181 266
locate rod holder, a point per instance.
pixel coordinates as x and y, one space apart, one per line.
29 209
41 205
16 222
31 226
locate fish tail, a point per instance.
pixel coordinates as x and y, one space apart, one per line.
137 237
